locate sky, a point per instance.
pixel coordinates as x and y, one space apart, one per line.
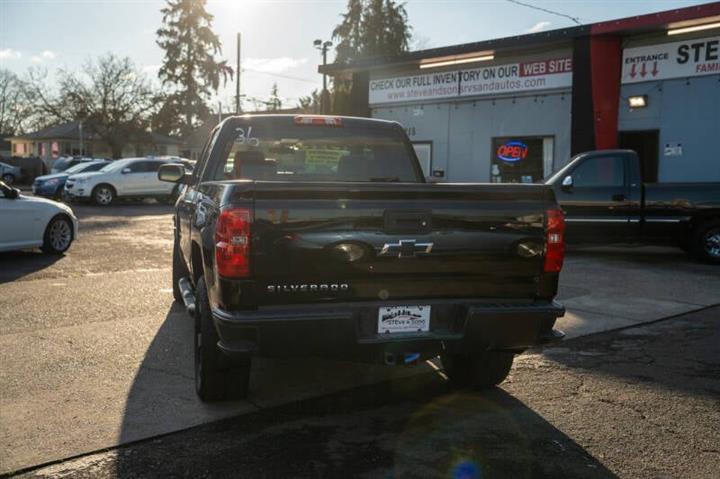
277 35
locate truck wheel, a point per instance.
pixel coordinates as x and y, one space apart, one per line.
705 242
477 371
179 271
215 377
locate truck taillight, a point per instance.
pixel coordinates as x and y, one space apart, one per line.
232 243
554 240
318 120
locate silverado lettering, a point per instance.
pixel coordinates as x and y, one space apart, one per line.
307 288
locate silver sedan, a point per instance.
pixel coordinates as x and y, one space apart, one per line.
9 174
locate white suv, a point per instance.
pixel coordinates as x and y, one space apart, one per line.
129 177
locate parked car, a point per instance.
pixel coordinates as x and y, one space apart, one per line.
53 186
64 163
606 201
126 178
9 174
36 222
319 236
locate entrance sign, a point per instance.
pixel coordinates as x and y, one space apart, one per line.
490 80
688 58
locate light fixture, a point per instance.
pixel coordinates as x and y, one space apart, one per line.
639 101
694 28
456 60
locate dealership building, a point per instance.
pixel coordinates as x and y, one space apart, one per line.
516 109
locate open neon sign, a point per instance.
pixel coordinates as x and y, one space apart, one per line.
512 151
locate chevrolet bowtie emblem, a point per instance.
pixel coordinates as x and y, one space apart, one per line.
406 249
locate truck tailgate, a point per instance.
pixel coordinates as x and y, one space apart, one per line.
315 242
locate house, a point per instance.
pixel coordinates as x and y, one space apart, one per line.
76 138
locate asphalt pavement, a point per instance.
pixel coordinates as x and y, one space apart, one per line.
95 354
641 402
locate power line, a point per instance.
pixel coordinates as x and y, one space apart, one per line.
280 75
535 7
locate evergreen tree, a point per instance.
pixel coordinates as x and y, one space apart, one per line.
311 102
348 35
190 66
275 103
371 28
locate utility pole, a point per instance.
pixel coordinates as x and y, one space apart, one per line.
238 108
82 146
325 95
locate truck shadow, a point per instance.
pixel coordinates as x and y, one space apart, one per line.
310 418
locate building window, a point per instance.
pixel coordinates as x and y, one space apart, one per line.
521 159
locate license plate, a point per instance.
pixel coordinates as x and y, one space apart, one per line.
403 319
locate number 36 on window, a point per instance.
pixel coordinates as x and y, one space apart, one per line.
246 138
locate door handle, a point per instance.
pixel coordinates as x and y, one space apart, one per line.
618 197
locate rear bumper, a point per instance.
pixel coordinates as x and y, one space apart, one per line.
350 330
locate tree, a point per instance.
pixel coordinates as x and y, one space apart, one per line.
111 95
310 103
371 28
14 113
190 66
275 103
348 35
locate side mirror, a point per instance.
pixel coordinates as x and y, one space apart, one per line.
567 183
125 171
173 173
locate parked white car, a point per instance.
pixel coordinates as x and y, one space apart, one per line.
129 177
9 174
30 222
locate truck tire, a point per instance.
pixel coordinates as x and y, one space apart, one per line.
705 242
477 371
179 271
216 378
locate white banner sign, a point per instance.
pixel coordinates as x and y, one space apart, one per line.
672 60
491 80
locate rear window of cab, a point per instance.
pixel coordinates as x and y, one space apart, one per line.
315 152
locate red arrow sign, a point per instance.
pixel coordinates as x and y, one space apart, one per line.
633 73
643 70
654 70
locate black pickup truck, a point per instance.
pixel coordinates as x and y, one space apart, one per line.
605 201
318 236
